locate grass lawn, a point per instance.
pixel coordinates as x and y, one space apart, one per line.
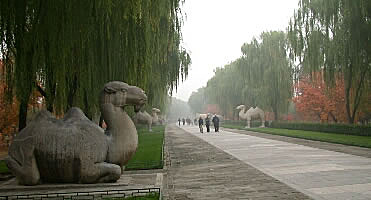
149 152
361 141
151 196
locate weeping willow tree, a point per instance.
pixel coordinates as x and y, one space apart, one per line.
261 77
267 72
68 49
333 36
225 87
197 100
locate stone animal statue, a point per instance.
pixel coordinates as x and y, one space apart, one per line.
155 117
161 119
142 117
75 149
251 114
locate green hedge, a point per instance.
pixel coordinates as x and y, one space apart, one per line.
347 129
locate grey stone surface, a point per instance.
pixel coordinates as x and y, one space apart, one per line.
75 149
155 117
354 150
128 184
319 173
198 170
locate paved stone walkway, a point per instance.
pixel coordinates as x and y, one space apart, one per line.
354 150
319 173
198 170
130 182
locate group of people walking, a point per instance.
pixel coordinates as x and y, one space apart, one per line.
207 121
215 121
184 121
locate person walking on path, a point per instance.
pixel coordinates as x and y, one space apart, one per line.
183 120
207 123
216 123
179 121
200 123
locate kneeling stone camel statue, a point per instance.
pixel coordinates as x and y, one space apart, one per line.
155 118
142 117
250 114
74 149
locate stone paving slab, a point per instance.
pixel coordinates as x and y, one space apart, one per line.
354 150
319 173
198 170
132 180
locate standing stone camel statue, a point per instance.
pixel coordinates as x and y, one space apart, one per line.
75 149
251 114
142 117
155 117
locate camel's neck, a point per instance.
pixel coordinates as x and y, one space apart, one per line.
242 113
121 130
154 116
119 123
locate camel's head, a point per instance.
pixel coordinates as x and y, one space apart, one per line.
240 107
136 97
114 92
156 110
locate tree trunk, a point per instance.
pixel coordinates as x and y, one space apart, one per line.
333 117
86 106
101 120
348 85
22 115
72 92
275 112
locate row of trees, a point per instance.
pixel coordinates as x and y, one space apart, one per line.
325 49
68 49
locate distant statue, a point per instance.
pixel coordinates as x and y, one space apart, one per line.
75 149
155 117
252 113
142 117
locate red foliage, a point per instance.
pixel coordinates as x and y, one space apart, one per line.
212 108
8 113
314 100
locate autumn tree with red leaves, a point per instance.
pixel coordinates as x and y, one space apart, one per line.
314 100
9 108
8 111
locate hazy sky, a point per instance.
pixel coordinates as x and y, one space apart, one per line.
215 30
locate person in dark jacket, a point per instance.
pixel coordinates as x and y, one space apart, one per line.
207 123
200 123
179 121
216 123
